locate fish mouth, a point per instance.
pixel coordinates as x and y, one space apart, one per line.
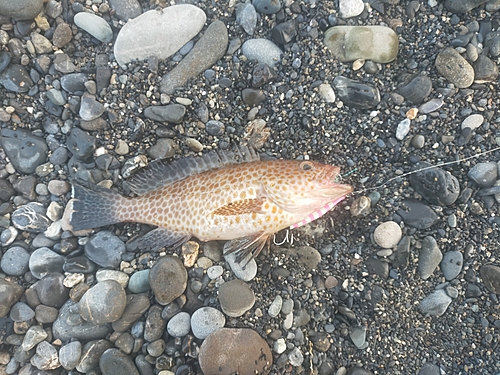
336 189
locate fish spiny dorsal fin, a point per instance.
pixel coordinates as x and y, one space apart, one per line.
160 172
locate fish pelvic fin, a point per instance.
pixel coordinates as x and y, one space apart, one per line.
246 248
93 206
161 237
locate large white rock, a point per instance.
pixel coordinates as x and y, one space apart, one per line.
158 33
95 26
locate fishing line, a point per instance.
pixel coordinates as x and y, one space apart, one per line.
421 169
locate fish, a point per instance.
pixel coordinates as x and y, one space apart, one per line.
222 195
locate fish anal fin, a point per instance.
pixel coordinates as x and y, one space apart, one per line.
160 237
246 247
244 206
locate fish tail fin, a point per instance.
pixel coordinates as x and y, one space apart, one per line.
93 206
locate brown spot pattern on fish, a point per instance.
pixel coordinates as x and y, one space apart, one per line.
221 195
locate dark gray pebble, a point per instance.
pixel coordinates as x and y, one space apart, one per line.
429 369
253 97
417 214
267 6
215 127
285 32
173 113
31 217
25 150
105 249
15 78
491 277
81 144
356 94
436 185
51 291
484 174
415 88
485 70
74 82
4 60
262 74
114 361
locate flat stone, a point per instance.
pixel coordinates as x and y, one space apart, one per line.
236 298
62 35
460 7
172 113
105 249
51 290
138 39
21 9
179 325
452 264
25 150
90 108
69 355
415 88
14 261
436 303
246 17
233 350
356 94
429 258
349 43
95 26
205 53
417 214
74 82
484 174
485 70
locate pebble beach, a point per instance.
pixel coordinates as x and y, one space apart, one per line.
402 277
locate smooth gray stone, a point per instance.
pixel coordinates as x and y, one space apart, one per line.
21 9
114 361
211 47
94 25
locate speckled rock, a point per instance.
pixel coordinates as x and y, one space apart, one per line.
168 279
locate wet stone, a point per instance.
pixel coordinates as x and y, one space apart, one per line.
236 298
431 106
429 258
44 261
451 265
231 350
417 214
10 293
356 94
377 267
90 108
105 249
74 82
25 150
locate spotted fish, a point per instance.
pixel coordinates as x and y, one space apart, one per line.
223 195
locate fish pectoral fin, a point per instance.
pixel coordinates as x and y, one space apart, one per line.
161 237
249 246
244 206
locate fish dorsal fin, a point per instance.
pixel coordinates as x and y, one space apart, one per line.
160 172
244 206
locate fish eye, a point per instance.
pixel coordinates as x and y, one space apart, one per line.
306 166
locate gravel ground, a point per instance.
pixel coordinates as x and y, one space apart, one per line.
356 306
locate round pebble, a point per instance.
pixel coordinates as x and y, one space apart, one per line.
206 320
388 234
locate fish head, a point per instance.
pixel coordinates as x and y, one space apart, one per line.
305 186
